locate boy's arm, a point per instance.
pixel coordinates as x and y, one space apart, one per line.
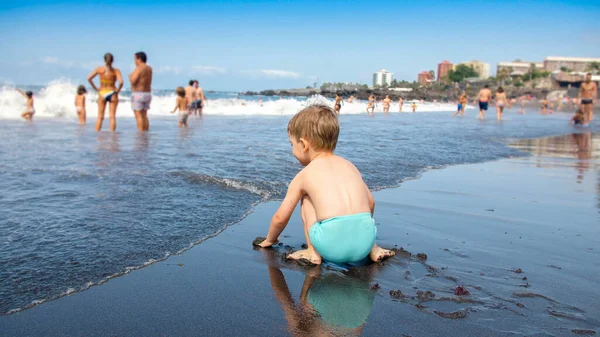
283 214
176 105
202 97
371 201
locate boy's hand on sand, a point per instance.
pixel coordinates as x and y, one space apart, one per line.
267 243
263 242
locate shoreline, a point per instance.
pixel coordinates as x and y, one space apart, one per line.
252 208
232 250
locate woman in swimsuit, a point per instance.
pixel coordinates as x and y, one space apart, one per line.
501 102
108 92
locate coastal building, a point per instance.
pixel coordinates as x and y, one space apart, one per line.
382 77
424 78
562 80
555 63
482 68
517 67
443 69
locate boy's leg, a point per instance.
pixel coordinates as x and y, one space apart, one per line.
309 217
378 254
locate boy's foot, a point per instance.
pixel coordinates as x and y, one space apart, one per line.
305 254
379 254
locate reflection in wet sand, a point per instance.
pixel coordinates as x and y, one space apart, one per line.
329 305
585 147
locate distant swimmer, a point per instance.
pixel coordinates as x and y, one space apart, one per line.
414 107
80 104
182 104
522 100
200 99
28 114
338 103
501 103
371 104
462 104
544 107
191 96
260 101
400 104
588 94
108 92
141 90
351 99
484 97
386 104
578 118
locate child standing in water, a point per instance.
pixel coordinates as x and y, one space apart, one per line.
182 104
338 103
28 114
578 118
336 204
80 104
414 106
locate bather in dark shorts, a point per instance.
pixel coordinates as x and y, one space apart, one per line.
483 105
585 101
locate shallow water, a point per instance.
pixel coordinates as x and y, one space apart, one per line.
80 207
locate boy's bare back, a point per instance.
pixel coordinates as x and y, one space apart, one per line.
182 103
335 187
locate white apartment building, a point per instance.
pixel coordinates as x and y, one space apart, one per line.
382 77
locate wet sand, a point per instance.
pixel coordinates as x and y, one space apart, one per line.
520 235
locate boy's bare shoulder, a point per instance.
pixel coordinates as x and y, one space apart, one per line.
335 161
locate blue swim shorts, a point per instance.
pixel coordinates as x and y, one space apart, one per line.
483 105
343 239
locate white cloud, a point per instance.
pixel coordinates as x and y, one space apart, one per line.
51 60
279 73
168 70
208 70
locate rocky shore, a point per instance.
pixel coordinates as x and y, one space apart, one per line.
427 94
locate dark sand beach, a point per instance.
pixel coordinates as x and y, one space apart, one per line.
521 235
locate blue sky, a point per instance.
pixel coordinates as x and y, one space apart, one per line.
243 45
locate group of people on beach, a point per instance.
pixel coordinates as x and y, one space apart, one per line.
587 97
371 104
108 93
189 101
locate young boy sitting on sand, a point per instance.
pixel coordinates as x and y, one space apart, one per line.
337 206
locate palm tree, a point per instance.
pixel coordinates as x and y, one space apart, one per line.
503 74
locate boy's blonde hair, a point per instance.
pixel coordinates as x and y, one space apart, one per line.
318 124
180 91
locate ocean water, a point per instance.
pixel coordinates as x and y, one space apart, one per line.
81 207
